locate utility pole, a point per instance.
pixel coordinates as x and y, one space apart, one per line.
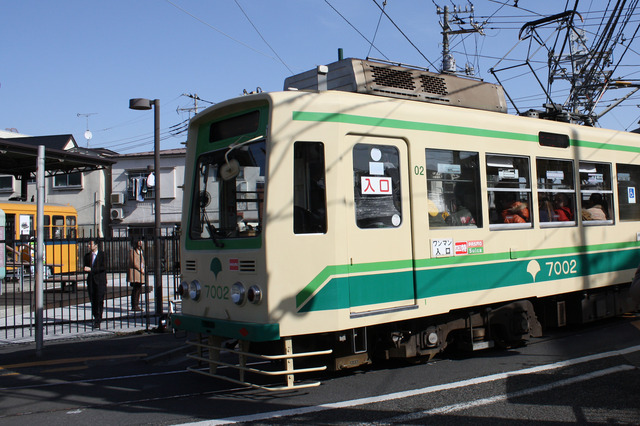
195 98
448 61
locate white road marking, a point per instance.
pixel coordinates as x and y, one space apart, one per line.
423 391
498 398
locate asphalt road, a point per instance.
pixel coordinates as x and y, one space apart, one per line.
586 375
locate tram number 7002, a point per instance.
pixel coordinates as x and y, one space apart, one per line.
565 267
217 292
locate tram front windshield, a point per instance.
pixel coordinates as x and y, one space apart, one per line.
229 193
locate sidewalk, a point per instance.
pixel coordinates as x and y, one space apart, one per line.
102 343
69 316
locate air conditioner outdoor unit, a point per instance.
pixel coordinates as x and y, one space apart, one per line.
117 214
117 198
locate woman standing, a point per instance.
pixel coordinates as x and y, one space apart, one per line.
136 275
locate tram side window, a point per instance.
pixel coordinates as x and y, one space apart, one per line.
509 191
453 188
628 184
556 192
47 226
309 195
58 226
596 193
26 230
376 176
71 226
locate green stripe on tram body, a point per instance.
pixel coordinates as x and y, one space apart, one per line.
446 276
409 125
444 128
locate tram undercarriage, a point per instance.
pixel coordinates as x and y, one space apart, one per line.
503 326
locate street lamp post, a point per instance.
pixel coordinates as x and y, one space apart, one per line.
146 104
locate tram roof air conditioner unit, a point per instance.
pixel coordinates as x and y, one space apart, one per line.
401 81
117 198
117 213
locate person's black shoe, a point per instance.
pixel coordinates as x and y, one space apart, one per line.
96 324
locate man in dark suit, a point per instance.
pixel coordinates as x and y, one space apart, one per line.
96 266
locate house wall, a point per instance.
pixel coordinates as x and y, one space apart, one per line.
95 204
89 199
141 214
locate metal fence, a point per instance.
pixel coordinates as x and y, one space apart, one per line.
67 308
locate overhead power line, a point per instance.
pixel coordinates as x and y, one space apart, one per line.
404 35
263 39
356 30
217 30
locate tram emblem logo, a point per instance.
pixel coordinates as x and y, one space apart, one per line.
215 266
533 268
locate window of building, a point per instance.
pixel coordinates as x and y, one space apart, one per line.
453 188
377 197
509 191
6 183
628 184
139 185
68 180
596 193
309 197
556 192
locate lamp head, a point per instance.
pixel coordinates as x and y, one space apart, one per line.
140 103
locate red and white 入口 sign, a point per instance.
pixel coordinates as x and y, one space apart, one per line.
375 185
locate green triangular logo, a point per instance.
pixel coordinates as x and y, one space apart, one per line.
216 266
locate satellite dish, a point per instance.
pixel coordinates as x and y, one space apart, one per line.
230 169
88 135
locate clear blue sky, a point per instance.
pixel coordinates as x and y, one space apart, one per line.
64 58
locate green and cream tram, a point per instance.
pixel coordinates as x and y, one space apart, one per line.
394 214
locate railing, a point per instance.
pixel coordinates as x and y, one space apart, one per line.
67 307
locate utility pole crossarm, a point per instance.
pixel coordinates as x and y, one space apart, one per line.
448 61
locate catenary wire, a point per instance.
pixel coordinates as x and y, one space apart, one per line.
356 30
262 37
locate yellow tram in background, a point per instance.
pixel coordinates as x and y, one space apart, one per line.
60 234
393 215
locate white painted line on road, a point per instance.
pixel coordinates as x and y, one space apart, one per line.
415 392
504 397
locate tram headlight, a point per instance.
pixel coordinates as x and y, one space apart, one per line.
254 294
183 289
238 293
194 290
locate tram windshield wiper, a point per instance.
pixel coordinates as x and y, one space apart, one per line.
211 229
203 200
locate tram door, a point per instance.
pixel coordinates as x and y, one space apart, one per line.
379 225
